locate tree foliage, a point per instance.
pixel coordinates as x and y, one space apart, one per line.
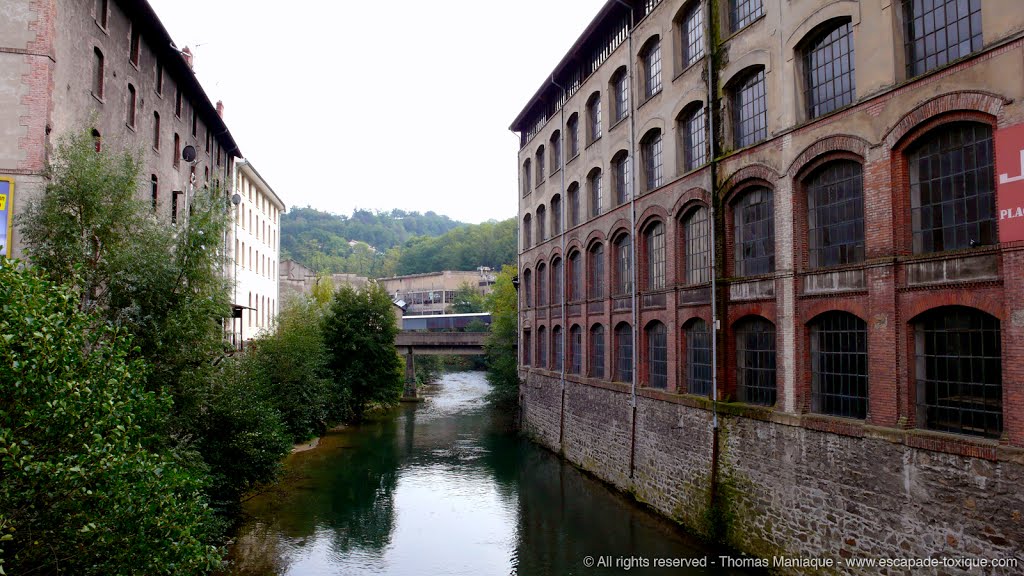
490 244
502 343
80 492
468 300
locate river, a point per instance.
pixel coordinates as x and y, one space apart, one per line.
446 487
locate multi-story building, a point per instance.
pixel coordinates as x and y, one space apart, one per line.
296 279
810 212
111 68
257 246
434 292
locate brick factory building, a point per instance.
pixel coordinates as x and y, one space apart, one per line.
843 180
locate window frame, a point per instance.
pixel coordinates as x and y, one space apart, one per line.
651 151
830 194
838 350
761 220
650 61
594 118
749 102
655 252
820 53
756 361
623 279
656 337
743 13
918 64
698 358
623 353
596 351
696 263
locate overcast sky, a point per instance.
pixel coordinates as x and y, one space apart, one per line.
381 104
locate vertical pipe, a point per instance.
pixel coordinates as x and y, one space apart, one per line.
712 141
561 234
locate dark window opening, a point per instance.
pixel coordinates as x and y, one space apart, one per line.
657 356
135 47
623 353
743 12
154 192
698 359
829 68
130 119
97 73
749 111
697 246
623 265
597 351
835 215
938 32
694 134
839 366
656 256
692 30
620 93
755 362
650 148
755 233
597 275
575 350
596 194
556 348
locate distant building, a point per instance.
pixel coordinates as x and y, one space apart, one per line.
298 279
256 240
434 292
109 67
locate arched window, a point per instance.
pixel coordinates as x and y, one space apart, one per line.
528 288
574 204
527 347
594 117
556 281
952 188
754 225
939 32
97 140
693 137
657 355
743 12
755 361
620 94
623 353
650 152
575 350
828 70
698 358
132 101
97 73
154 191
176 153
839 365
697 246
958 367
555 144
623 265
621 182
597 273
539 161
556 215
541 215
749 109
556 348
691 34
527 187
596 194
156 130
654 240
527 231
575 276
573 137
542 348
596 361
542 285
650 59
835 214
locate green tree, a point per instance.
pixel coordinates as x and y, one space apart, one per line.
80 492
360 331
468 300
502 343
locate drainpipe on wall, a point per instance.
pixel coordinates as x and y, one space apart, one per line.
712 81
561 233
632 231
519 267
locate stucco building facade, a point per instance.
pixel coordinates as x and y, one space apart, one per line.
847 174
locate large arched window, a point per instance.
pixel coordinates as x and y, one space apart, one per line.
755 361
527 231
539 162
595 361
696 247
623 266
619 88
542 348
754 223
556 281
542 285
691 34
541 229
657 355
555 144
556 348
654 250
749 109
594 117
528 288
596 194
952 188
621 181
575 350
574 204
575 276
835 214
650 152
556 215
526 177
958 366
597 272
828 70
940 31
692 129
623 353
572 125
839 365
698 358
650 60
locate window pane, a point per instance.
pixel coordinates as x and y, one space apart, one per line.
623 353
575 350
835 215
698 359
828 63
624 268
939 31
755 233
693 35
657 356
597 272
755 362
652 69
651 150
697 230
694 139
597 351
743 12
750 114
656 257
839 366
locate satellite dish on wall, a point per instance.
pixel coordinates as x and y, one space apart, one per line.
236 199
188 154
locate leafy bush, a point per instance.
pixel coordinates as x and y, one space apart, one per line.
502 342
79 491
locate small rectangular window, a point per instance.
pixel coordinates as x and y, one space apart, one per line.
97 73
177 102
159 78
130 119
135 46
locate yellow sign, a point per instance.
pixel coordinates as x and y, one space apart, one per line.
6 215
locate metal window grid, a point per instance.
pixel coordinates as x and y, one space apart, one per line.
594 114
743 12
527 343
596 194
556 348
695 148
575 350
556 281
556 216
959 373
597 351
540 165
755 362
835 214
623 353
697 233
952 189
528 288
574 204
624 270
621 166
652 69
542 285
698 359
656 257
839 366
526 177
620 88
597 271
652 160
693 35
527 231
542 348
750 112
541 216
657 356
829 66
937 32
755 233
574 136
575 277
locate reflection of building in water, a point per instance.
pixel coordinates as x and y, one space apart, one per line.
434 292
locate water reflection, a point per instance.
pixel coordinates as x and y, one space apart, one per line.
443 487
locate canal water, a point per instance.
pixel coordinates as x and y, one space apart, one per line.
446 487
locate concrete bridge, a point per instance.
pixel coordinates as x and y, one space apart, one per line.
435 343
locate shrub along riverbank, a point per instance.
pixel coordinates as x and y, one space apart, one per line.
128 430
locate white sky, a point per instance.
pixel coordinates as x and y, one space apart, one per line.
379 104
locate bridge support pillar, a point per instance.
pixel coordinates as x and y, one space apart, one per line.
410 375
